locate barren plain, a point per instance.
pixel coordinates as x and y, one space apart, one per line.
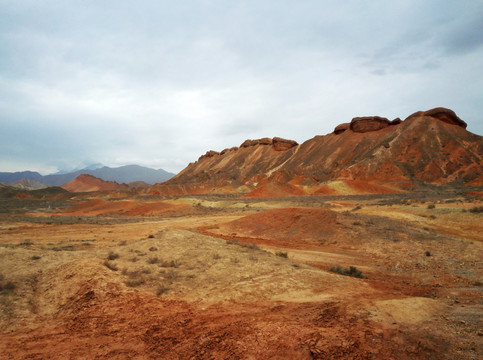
390 276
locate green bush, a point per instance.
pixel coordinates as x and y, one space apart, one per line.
351 271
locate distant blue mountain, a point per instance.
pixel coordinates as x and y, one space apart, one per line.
123 174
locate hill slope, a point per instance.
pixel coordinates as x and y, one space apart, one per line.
431 146
87 183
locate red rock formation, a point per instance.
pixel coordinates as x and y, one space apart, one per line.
339 129
280 144
368 123
423 147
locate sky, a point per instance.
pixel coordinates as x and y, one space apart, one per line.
159 83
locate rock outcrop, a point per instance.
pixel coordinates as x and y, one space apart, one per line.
209 154
339 129
441 113
368 123
280 144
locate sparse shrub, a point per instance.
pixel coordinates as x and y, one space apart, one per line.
252 246
432 217
427 253
112 256
26 243
171 275
153 260
476 209
145 271
123 243
151 236
162 289
431 206
64 248
134 282
216 256
110 266
7 287
358 207
282 254
357 223
351 271
35 257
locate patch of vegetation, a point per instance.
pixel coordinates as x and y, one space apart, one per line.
427 253
153 260
64 248
153 248
358 207
110 265
252 246
7 287
282 254
351 271
112 256
162 289
431 206
134 282
151 236
476 209
35 257
216 256
26 243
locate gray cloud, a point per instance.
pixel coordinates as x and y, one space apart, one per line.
160 83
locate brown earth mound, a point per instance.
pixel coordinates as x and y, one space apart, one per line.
88 183
289 225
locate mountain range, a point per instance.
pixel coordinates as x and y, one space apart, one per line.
123 174
428 147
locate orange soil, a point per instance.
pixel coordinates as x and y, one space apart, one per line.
275 189
288 225
125 208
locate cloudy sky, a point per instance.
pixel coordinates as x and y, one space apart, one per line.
158 83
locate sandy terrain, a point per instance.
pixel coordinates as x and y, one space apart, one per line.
213 277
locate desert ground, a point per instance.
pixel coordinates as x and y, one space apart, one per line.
97 276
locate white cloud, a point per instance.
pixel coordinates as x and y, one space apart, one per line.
160 83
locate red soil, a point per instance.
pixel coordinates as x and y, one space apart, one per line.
123 208
289 225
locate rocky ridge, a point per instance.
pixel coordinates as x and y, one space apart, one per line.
428 146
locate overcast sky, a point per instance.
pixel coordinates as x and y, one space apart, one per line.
158 83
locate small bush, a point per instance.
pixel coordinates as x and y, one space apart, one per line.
7 287
162 289
476 209
282 254
153 260
431 206
110 266
35 257
351 271
151 236
134 282
427 253
113 256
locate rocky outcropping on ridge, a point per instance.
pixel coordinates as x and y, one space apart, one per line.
426 147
